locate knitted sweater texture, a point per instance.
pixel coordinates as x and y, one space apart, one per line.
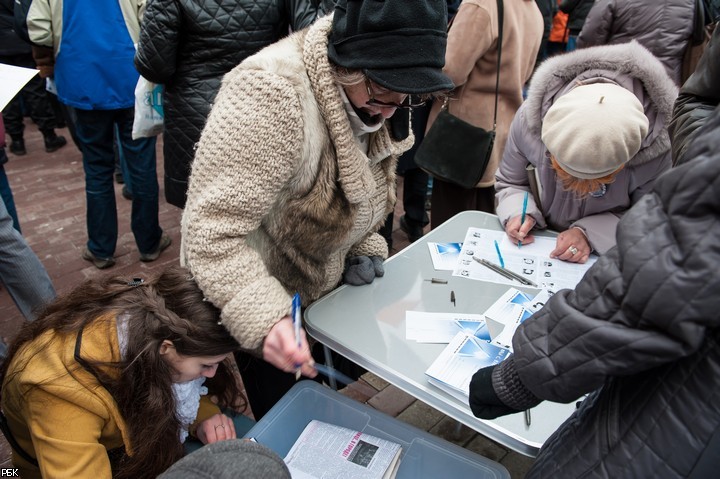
280 191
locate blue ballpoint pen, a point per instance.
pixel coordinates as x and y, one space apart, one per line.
497 248
522 217
297 324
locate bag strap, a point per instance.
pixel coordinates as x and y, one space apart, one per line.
500 42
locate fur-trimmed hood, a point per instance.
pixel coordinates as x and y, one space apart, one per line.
629 65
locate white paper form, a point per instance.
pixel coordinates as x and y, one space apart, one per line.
444 255
531 261
12 79
442 327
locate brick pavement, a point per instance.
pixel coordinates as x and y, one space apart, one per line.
49 194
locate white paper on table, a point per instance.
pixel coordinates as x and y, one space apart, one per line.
444 255
531 261
12 79
538 301
442 327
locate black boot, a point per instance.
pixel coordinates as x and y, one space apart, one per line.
52 141
17 146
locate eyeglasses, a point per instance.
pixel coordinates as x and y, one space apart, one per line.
407 104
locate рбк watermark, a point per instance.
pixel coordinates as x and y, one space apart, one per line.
9 472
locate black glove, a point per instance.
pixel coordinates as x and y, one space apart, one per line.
360 270
484 402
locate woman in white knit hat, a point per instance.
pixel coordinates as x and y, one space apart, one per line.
592 136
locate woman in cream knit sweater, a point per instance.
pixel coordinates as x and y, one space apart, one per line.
294 174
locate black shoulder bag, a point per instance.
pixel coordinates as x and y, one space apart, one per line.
455 151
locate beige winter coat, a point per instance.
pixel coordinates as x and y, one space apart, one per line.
280 191
471 63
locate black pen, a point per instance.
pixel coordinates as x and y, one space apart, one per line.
505 272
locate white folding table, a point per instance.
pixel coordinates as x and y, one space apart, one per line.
366 324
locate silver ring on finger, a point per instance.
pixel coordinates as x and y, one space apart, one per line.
573 250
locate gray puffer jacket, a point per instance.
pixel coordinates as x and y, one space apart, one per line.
641 330
189 46
662 26
630 66
697 100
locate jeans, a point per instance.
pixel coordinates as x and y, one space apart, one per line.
7 196
21 271
95 130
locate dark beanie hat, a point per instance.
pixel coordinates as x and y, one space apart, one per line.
399 44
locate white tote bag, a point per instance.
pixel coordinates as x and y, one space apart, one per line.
148 109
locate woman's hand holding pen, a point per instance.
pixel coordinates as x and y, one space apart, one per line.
281 349
520 232
572 246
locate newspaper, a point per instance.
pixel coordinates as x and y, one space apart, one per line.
327 451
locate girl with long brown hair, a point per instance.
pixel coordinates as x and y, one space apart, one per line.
108 381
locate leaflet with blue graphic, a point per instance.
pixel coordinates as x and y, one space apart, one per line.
444 255
442 327
463 356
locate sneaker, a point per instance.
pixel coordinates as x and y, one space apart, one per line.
100 263
119 177
413 231
17 147
54 142
165 241
126 193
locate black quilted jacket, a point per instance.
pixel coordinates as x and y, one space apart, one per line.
188 46
642 330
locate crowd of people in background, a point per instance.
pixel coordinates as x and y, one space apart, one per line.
286 123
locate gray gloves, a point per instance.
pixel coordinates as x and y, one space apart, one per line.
360 270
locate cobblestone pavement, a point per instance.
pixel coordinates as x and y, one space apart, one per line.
49 191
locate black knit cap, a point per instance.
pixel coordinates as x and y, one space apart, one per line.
399 44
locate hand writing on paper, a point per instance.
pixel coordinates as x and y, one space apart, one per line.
216 428
520 232
281 350
572 246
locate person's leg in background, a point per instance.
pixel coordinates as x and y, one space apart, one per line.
95 133
141 166
36 99
22 273
122 175
414 196
414 180
6 194
449 199
14 124
264 383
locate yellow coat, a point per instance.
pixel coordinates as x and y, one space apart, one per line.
59 412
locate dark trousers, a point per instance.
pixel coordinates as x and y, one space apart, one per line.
96 131
35 97
265 384
449 199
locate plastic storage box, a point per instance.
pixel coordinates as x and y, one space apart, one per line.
423 455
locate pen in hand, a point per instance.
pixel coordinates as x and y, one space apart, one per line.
522 216
297 324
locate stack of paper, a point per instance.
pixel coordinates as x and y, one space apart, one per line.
474 341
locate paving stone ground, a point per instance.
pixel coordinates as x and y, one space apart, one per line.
49 191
